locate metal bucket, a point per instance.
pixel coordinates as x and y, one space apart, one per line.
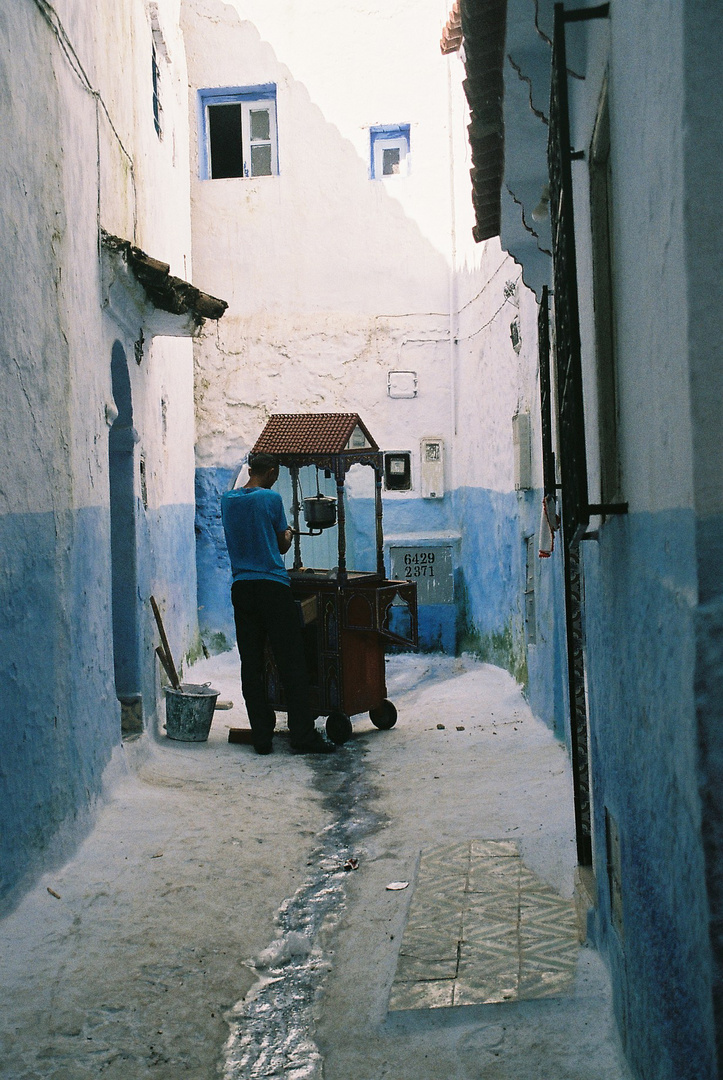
189 712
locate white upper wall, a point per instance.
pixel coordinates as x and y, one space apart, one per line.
334 279
650 299
79 151
321 235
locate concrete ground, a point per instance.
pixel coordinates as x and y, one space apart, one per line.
207 927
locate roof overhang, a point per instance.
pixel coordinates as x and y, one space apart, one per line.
483 29
141 293
452 31
298 438
506 47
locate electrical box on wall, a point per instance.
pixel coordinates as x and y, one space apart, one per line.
432 469
522 443
398 471
402 384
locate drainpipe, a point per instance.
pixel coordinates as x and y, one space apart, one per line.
453 258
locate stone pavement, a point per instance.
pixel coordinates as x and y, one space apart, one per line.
210 925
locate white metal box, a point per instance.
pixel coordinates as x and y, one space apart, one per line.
432 469
522 442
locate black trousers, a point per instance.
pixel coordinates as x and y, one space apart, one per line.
267 610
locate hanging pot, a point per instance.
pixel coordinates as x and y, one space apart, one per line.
320 512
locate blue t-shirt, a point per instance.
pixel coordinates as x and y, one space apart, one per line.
252 519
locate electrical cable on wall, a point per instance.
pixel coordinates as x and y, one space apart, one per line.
445 314
52 19
468 337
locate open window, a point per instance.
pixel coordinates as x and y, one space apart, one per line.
238 135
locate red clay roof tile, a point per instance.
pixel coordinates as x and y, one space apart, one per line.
309 433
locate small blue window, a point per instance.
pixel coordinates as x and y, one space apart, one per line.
237 132
389 151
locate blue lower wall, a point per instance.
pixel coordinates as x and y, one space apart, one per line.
487 616
213 569
640 585
640 626
60 718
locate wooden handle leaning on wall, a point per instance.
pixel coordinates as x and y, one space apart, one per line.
169 666
164 664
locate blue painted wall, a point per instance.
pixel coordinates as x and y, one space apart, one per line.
487 616
60 716
213 569
62 368
60 719
641 591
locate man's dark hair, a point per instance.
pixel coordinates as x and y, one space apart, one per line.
262 463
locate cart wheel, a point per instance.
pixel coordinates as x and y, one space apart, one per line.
338 727
384 716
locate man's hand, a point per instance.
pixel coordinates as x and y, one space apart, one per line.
285 540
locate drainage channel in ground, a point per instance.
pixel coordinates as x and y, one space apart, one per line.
272 1030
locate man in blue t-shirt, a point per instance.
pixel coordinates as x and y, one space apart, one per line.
257 535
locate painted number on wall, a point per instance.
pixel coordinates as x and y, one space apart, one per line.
430 568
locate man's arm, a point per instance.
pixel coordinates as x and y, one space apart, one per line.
284 539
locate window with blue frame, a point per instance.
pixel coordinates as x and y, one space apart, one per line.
237 132
389 151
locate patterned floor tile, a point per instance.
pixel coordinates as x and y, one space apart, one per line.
446 854
547 926
444 869
442 881
433 942
557 956
423 969
496 905
490 875
431 909
422 995
546 984
438 943
528 880
494 988
495 848
495 954
494 935
482 928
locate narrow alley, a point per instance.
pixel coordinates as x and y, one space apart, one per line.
384 342
207 926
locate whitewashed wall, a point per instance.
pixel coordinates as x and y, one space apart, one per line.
334 280
78 151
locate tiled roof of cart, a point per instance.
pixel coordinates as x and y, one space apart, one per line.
313 433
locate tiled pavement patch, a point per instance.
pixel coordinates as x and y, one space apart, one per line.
482 928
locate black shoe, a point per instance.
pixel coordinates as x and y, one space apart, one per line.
314 744
264 747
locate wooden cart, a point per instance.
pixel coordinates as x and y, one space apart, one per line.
350 617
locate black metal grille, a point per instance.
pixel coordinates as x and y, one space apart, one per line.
573 462
156 80
578 704
571 424
543 353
